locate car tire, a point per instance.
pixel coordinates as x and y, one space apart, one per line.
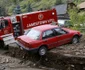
42 51
75 39
2 44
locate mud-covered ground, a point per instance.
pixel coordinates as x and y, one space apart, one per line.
7 62
65 57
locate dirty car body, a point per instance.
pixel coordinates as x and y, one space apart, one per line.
48 37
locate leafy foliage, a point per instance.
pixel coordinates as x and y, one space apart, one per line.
29 5
77 19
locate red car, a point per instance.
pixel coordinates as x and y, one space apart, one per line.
45 37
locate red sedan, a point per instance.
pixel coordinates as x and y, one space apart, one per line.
45 37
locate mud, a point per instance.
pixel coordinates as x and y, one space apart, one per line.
65 57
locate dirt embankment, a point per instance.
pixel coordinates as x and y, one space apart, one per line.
65 57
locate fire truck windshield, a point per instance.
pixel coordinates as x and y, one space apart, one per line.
0 26
3 24
33 34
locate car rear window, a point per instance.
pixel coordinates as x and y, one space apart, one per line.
33 34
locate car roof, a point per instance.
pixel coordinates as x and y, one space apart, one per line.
45 27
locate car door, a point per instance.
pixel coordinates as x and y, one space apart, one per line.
49 38
62 36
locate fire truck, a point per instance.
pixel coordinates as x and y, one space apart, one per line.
13 26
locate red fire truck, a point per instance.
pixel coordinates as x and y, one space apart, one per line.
14 26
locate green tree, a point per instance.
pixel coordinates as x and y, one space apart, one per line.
9 5
17 10
29 8
58 2
77 19
14 1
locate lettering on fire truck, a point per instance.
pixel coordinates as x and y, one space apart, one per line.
40 23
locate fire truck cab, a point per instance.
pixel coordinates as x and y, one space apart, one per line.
14 26
6 32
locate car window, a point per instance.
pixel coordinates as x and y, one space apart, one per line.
33 34
48 34
59 31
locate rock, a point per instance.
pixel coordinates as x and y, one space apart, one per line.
34 64
72 66
7 60
77 53
46 59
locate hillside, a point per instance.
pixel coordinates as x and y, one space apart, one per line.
8 7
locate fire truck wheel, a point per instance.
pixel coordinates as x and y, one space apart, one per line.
2 44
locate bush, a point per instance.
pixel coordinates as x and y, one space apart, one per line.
77 19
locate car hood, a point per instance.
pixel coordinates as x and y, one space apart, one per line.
26 39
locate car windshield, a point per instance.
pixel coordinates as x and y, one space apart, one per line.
33 34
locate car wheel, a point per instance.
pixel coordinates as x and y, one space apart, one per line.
42 51
2 44
75 39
